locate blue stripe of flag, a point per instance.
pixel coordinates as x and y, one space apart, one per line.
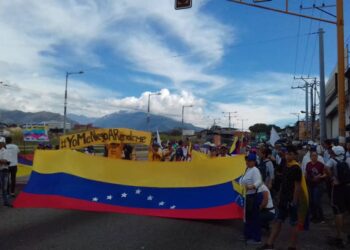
130 196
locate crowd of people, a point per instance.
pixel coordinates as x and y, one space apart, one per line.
273 183
171 151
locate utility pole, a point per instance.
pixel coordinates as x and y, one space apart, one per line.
313 107
214 121
229 116
341 70
306 87
323 128
312 111
339 22
242 120
65 98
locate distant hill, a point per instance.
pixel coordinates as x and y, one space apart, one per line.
20 117
122 119
81 119
138 120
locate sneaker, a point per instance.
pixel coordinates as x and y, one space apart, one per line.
266 247
253 242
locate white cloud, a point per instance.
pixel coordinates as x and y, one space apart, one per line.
264 98
34 41
180 47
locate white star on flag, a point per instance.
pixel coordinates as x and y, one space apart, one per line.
109 197
172 207
149 198
138 191
161 203
95 199
123 195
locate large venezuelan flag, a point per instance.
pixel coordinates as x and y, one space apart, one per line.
202 189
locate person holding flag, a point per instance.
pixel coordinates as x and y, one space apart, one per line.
292 201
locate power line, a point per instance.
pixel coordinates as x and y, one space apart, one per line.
315 45
307 43
297 46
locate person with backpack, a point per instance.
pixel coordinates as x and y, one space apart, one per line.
288 201
266 167
338 170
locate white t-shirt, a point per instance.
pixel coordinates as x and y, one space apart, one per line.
269 204
270 170
251 177
13 152
4 156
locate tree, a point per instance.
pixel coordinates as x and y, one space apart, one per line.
263 128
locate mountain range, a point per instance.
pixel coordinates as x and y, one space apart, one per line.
20 117
133 120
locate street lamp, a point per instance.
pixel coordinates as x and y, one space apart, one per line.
149 107
183 111
65 99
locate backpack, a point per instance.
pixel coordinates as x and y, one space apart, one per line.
263 169
343 172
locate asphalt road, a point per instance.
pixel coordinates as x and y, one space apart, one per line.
65 229
36 229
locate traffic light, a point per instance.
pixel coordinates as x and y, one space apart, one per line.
183 4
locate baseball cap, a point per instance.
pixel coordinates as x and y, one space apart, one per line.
251 157
338 150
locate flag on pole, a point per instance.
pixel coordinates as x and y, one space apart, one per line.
158 139
233 146
273 137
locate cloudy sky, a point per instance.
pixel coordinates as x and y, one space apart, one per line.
217 56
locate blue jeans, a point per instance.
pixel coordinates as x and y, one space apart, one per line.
252 228
316 202
4 178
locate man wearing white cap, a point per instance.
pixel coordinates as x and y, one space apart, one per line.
4 171
338 169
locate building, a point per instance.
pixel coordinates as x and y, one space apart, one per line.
332 121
